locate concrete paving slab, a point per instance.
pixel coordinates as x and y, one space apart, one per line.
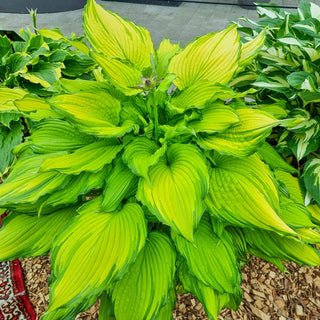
179 24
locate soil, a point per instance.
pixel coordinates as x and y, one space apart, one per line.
268 294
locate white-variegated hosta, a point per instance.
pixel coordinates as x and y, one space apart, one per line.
151 178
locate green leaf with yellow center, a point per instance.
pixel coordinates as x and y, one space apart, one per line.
90 254
177 187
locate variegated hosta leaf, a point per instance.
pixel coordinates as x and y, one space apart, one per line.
141 154
212 300
92 157
211 259
250 50
255 201
76 85
144 289
268 154
212 57
285 248
95 250
35 108
215 117
164 54
117 38
120 184
10 137
178 184
242 139
8 96
94 113
26 184
54 135
311 176
123 76
24 236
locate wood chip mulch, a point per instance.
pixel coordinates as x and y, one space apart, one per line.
268 294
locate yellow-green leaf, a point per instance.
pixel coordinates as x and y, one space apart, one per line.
115 37
92 157
212 57
95 112
23 235
178 184
215 117
93 251
211 259
121 75
242 193
244 138
144 289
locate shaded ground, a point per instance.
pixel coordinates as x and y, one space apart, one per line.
268 294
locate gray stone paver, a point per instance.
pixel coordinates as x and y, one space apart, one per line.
179 24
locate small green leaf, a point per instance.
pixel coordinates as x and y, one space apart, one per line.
144 289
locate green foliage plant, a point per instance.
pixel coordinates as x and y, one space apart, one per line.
144 180
286 74
31 68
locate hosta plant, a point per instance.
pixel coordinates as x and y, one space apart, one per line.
147 182
33 66
286 74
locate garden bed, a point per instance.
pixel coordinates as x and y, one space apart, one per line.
268 294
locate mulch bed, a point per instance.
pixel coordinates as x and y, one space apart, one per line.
268 294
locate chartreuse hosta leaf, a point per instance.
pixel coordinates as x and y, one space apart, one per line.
54 135
141 154
166 310
250 49
255 198
282 247
242 139
93 251
314 210
212 57
26 184
120 184
178 184
76 186
24 236
115 37
211 259
215 117
92 157
35 108
311 176
94 113
144 289
8 96
164 54
199 93
123 76
212 300
268 154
